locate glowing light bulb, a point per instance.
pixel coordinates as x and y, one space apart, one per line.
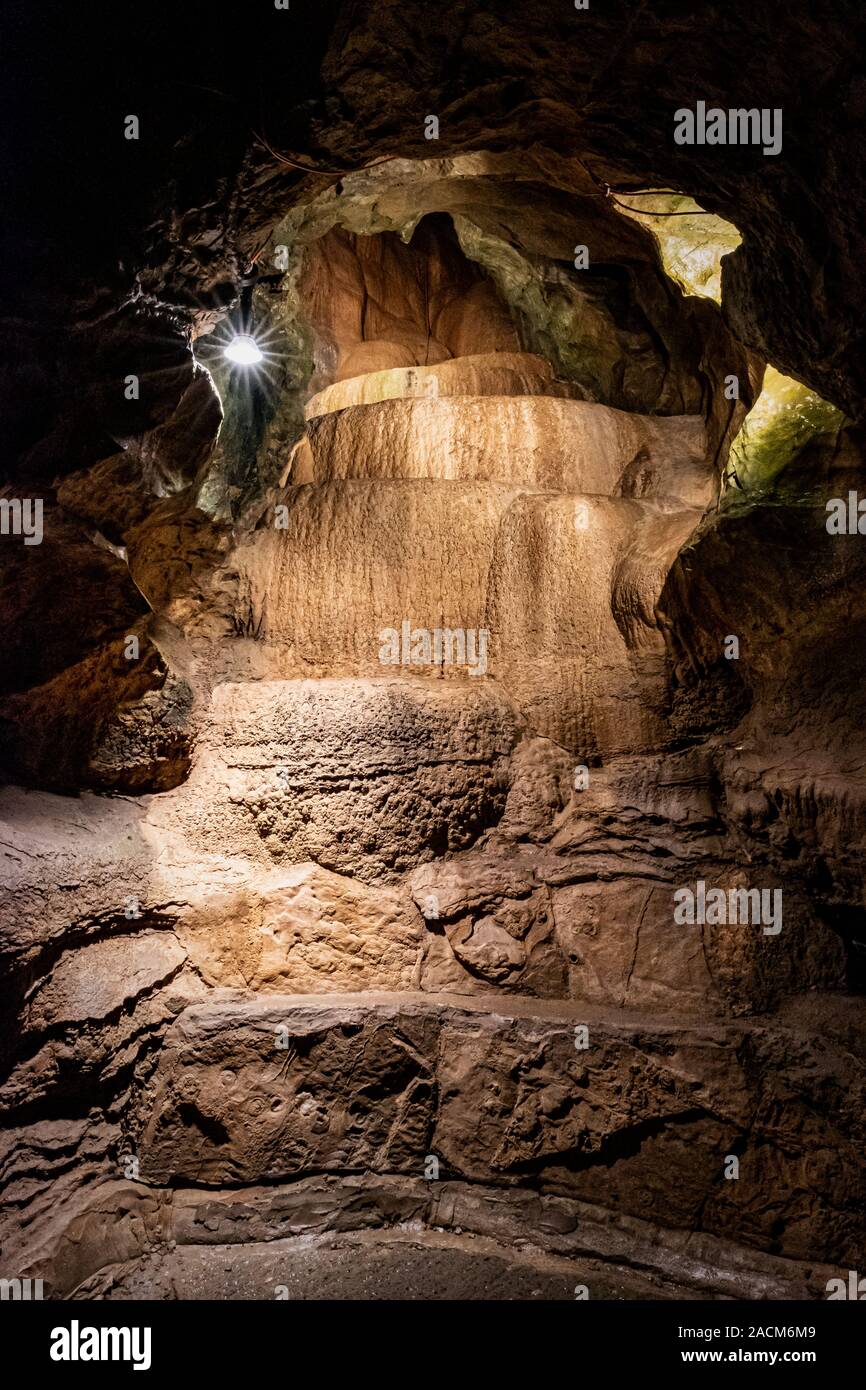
244 349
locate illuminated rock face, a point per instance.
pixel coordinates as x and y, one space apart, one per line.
484 374
536 441
560 583
382 927
412 903
377 304
545 524
367 778
451 611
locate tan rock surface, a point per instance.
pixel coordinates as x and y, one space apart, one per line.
536 441
359 557
280 810
96 981
560 583
304 931
484 374
375 303
364 777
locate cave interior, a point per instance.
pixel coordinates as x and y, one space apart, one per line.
367 709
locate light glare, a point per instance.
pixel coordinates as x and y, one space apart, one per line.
244 350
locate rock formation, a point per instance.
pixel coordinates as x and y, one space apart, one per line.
365 714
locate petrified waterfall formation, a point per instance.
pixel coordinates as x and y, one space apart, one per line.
363 715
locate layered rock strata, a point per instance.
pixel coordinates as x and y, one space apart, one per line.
199 974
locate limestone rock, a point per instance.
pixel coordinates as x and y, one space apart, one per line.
364 777
564 587
304 931
356 558
376 303
538 441
484 374
368 1102
379 1083
582 660
120 1236
98 980
491 924
146 746
503 436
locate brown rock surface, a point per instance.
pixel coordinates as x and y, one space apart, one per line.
305 930
537 441
483 374
252 1092
376 303
427 880
564 586
117 1242
364 777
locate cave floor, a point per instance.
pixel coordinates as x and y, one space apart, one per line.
371 1265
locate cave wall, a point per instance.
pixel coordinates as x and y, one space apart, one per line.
253 824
